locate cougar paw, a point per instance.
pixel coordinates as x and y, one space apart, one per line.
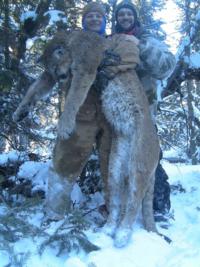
19 115
65 128
109 229
122 237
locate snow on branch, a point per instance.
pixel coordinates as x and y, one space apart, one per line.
189 39
186 67
56 15
28 15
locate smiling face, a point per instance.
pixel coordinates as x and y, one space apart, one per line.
125 18
93 21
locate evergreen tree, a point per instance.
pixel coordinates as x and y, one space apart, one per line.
182 108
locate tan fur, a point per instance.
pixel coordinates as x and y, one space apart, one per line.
133 158
135 149
77 55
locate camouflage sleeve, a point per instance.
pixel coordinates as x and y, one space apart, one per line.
155 57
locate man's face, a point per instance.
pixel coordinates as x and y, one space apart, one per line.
93 21
125 18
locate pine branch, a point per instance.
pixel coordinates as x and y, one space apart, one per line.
70 236
182 70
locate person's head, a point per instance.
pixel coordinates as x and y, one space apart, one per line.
94 18
126 17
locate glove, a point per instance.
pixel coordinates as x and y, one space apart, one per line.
110 59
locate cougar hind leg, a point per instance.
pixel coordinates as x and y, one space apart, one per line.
134 196
139 193
117 162
58 198
124 231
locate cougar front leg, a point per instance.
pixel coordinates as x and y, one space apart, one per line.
58 196
21 112
80 85
38 89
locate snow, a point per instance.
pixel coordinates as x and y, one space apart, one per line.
193 60
170 23
144 249
75 262
28 14
198 16
76 195
35 171
96 200
196 111
10 157
174 153
133 254
56 15
186 41
30 42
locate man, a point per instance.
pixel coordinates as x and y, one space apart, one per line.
156 64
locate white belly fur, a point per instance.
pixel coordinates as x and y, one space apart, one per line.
119 107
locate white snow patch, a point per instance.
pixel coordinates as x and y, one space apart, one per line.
11 157
37 172
196 111
77 196
28 14
75 262
96 200
4 258
56 15
144 249
193 60
132 255
198 15
173 153
30 43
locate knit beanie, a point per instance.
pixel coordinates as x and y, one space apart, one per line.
94 7
126 4
131 6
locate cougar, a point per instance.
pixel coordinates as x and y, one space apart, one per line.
73 59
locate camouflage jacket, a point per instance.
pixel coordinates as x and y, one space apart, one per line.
157 62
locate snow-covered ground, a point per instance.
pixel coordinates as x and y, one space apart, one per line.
145 249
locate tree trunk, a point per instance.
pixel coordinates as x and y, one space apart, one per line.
192 150
6 34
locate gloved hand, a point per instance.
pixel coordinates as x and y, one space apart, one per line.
105 73
110 59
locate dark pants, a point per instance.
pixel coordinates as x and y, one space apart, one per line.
161 202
